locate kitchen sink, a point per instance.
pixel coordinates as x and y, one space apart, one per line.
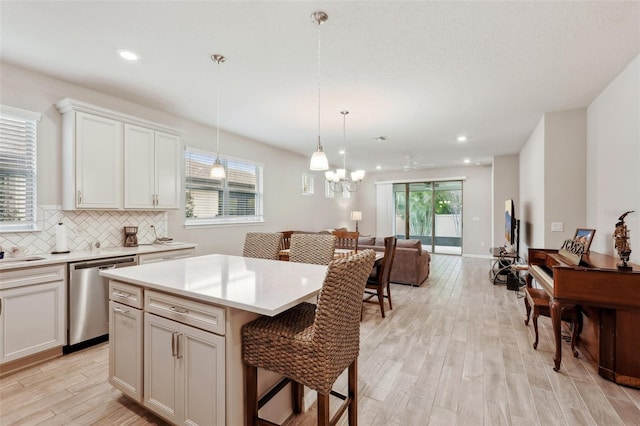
21 259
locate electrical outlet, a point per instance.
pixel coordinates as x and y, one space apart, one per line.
557 227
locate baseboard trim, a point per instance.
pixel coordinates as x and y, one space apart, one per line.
29 361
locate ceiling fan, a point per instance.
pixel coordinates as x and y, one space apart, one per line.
414 165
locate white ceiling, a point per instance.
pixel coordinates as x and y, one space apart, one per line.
419 73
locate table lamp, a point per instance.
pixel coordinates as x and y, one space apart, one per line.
357 216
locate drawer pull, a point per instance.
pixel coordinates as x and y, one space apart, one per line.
121 294
121 310
178 311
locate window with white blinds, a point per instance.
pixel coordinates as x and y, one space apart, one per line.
236 199
18 169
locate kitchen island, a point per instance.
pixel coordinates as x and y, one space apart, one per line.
181 321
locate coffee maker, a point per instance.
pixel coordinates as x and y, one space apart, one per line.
131 236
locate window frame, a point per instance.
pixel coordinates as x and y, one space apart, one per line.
225 220
30 144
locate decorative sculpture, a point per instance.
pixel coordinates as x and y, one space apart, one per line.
621 239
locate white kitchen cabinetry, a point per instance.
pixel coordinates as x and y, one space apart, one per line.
32 311
105 166
184 360
126 339
151 169
165 255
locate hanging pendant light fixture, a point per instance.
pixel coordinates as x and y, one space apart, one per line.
338 180
217 169
319 160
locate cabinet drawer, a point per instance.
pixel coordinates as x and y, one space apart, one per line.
28 276
165 255
200 315
126 294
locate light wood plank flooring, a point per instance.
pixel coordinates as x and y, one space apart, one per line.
454 351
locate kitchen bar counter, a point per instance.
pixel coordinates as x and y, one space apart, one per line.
230 291
43 259
261 286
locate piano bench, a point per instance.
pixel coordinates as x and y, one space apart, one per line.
538 301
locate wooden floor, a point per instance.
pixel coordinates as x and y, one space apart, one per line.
454 351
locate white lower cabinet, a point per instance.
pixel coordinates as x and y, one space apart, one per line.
184 372
125 349
32 311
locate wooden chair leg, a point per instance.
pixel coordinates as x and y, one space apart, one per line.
353 393
389 295
297 396
323 410
250 394
535 328
527 306
381 299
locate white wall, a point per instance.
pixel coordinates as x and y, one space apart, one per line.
532 201
565 159
506 186
476 203
613 160
285 206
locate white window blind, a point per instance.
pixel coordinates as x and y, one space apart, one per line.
18 169
236 199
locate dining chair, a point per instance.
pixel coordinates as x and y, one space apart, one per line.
262 245
346 239
286 240
312 248
378 280
311 345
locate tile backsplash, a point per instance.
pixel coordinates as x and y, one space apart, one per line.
86 227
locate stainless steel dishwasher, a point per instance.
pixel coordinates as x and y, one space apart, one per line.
88 308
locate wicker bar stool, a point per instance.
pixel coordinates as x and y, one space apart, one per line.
311 345
262 245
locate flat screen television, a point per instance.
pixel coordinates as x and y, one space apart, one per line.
510 237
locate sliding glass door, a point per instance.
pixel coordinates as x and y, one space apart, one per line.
430 212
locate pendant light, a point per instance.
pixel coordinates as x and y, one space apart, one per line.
319 160
217 169
338 180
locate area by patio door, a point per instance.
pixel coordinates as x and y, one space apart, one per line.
430 212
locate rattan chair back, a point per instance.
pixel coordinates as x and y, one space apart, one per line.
262 245
312 248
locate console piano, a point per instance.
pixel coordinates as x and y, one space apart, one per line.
609 299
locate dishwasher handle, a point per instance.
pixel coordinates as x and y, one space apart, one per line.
105 263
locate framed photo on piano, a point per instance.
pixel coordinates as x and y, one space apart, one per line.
585 236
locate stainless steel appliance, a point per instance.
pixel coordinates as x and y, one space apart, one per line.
131 236
88 308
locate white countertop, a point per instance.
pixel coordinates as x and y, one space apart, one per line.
263 286
76 256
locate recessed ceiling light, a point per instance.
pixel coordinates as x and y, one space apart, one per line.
341 152
378 167
477 164
462 138
467 161
128 55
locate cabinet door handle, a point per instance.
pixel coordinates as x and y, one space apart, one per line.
173 343
178 339
120 310
79 197
0 306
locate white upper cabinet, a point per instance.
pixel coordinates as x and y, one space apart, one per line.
112 160
151 169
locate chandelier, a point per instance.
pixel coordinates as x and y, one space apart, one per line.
338 180
217 169
319 160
